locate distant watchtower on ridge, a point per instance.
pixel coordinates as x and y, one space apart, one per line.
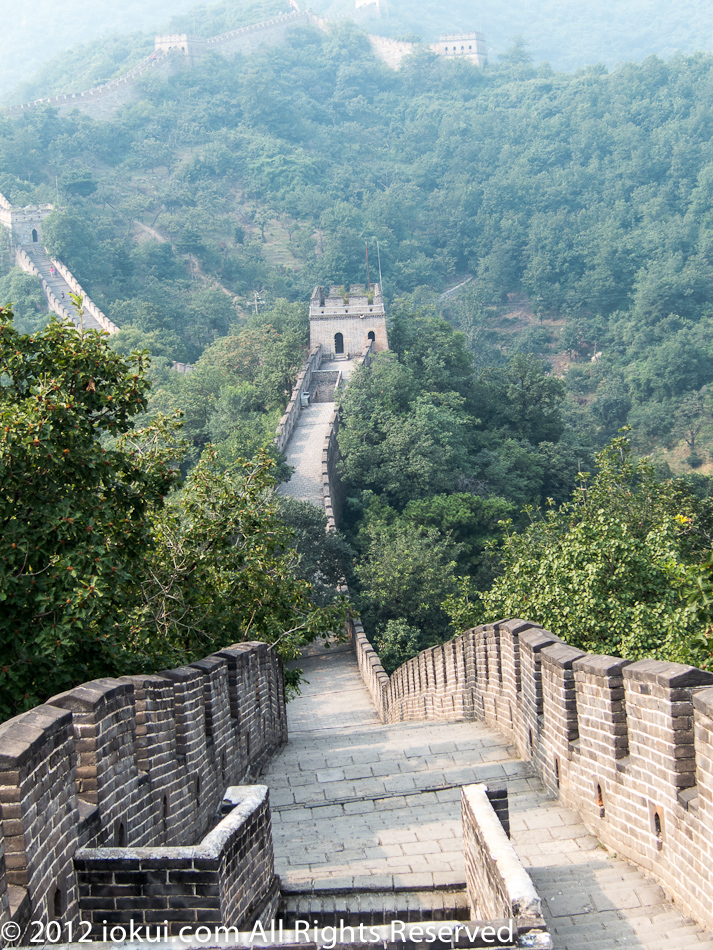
344 321
470 46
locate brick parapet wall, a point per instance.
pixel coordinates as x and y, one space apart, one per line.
88 304
389 51
227 878
332 493
251 37
302 383
25 264
629 745
498 885
140 761
112 94
101 102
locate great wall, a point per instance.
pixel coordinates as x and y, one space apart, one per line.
178 51
56 280
172 53
381 798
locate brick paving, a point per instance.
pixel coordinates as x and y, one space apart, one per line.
56 283
360 804
304 450
304 453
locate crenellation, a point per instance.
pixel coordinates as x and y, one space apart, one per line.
105 741
629 745
37 774
98 768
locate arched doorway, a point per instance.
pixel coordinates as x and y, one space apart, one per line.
371 336
338 343
34 236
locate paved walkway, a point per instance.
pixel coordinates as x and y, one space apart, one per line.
304 450
359 804
304 453
57 284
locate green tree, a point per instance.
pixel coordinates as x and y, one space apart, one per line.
523 399
609 571
396 440
27 300
223 568
73 512
105 567
396 643
324 558
469 520
406 574
692 413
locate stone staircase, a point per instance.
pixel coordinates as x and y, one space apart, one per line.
372 908
323 385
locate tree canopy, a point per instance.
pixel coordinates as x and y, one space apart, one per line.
108 564
614 569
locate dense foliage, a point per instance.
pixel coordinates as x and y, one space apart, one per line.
107 566
434 457
575 209
615 569
578 202
100 40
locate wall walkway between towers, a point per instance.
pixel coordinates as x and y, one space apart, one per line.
57 281
629 745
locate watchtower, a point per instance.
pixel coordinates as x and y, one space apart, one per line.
25 224
470 46
345 320
192 47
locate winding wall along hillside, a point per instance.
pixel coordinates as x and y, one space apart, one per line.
178 51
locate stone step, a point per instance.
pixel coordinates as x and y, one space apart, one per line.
323 385
372 908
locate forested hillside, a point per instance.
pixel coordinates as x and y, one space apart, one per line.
579 205
587 195
57 49
568 36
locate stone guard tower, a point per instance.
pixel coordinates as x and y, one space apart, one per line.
25 224
470 46
344 321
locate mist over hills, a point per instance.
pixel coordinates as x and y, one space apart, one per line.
78 42
565 34
69 45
